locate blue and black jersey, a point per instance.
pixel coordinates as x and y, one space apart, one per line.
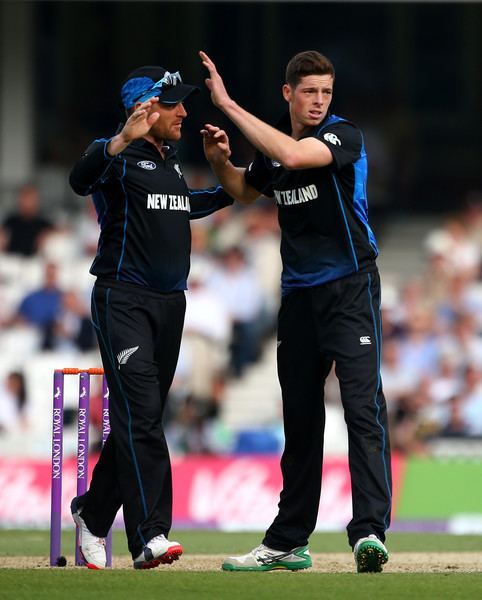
144 206
322 211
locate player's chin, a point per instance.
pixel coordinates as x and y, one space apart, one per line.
313 121
176 133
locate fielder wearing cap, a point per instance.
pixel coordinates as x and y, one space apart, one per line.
144 207
146 82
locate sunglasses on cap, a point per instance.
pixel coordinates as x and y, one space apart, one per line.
168 81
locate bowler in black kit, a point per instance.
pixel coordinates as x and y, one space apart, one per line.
144 207
314 166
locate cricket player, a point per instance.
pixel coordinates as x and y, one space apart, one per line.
144 207
314 166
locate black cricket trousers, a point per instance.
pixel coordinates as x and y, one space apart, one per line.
139 332
335 322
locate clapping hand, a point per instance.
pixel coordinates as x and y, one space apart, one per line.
216 144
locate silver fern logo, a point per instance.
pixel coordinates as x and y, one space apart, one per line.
124 355
177 168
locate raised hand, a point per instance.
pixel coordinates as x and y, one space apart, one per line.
214 83
140 121
216 144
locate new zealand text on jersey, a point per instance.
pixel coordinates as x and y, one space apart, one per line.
296 196
168 202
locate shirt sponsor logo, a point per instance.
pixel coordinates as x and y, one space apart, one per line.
168 202
332 138
365 340
148 165
296 196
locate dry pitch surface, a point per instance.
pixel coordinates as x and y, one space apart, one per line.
400 562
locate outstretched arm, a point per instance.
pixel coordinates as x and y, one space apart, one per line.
217 152
291 153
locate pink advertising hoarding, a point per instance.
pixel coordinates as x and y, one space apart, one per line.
230 493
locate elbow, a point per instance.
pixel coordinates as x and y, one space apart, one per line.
78 189
291 161
248 195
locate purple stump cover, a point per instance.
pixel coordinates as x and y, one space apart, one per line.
56 499
82 447
105 433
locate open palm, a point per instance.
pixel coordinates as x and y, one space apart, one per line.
140 121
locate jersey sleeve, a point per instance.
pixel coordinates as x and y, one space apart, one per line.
93 168
205 202
344 141
258 175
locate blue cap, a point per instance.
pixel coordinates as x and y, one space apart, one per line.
147 82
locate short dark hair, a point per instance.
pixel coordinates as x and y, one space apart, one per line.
309 62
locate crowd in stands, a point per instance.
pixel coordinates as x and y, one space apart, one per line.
232 303
432 342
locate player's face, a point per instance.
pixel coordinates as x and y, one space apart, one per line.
168 126
309 100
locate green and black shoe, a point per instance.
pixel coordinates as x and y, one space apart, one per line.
263 558
370 555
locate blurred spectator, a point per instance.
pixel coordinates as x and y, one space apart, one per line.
462 296
419 347
408 428
398 380
202 368
411 299
41 308
12 402
455 425
472 402
87 230
261 243
24 230
446 384
73 329
207 329
393 323
236 285
229 227
436 279
201 255
462 342
461 254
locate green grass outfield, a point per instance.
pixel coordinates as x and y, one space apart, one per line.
118 584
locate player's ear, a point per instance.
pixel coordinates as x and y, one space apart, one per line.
287 92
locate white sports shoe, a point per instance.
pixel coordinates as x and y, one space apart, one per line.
92 548
263 558
156 551
370 554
